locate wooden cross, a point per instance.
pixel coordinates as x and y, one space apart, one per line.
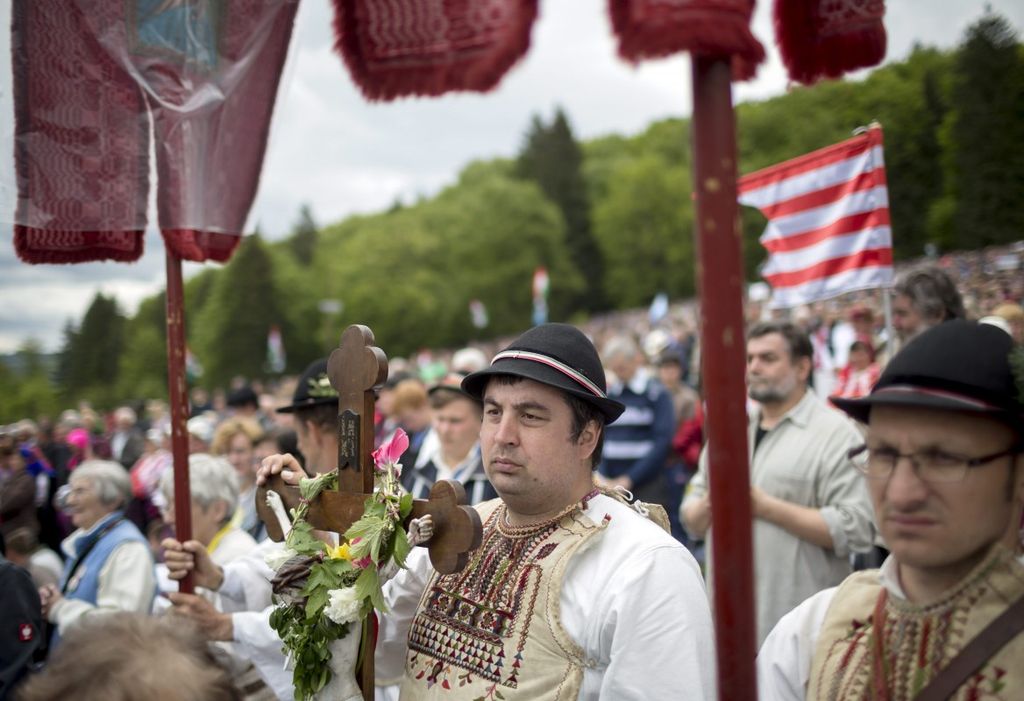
355 368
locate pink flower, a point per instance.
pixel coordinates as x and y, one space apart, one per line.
363 562
390 452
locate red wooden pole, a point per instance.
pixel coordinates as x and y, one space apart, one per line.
178 391
720 270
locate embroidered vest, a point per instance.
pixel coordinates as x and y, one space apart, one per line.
493 631
918 641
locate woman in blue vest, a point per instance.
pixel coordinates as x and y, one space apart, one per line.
109 566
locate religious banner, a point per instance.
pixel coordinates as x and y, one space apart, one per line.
90 80
655 28
828 220
827 38
410 47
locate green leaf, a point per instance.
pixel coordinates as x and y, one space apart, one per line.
401 547
315 603
368 586
405 505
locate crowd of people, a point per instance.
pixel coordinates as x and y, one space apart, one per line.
87 506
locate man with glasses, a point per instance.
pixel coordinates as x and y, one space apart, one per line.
943 617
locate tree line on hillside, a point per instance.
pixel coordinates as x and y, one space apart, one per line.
611 219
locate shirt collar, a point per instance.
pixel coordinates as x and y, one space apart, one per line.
801 412
637 384
889 576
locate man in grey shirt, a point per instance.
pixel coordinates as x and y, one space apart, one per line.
810 510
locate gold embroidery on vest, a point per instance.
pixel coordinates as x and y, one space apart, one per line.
916 641
473 626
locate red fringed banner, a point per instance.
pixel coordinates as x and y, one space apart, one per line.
90 75
81 139
655 28
410 47
827 38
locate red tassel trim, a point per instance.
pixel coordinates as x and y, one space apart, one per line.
444 65
52 246
647 30
201 246
811 51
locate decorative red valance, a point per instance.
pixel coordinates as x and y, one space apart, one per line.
827 38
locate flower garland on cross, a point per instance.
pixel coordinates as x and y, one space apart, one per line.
320 590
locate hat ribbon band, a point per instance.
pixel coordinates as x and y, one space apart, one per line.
577 377
942 394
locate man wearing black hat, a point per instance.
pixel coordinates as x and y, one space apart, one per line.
244 584
573 593
943 617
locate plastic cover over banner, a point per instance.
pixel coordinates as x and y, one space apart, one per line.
95 80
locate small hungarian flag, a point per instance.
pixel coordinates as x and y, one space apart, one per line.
478 313
276 358
541 283
828 220
193 368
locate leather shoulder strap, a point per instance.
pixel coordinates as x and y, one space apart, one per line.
981 648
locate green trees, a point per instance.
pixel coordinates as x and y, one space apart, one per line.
303 239
412 272
230 330
983 136
552 158
90 360
26 387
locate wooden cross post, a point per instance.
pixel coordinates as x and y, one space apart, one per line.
355 368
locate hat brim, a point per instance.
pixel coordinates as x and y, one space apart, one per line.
860 409
308 404
475 383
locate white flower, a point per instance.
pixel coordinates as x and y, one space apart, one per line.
278 556
344 606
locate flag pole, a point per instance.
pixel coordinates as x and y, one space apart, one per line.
176 387
890 340
720 270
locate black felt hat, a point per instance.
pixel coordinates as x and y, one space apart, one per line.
957 365
557 355
452 382
243 396
314 388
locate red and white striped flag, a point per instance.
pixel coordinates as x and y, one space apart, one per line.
828 221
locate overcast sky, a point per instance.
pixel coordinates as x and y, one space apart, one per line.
341 155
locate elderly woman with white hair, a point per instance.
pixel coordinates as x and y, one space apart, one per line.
214 486
109 566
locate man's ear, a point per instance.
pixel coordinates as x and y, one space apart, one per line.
587 441
804 367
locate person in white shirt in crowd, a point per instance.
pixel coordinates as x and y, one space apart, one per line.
810 512
214 485
574 593
126 440
451 449
244 584
942 458
25 550
109 566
